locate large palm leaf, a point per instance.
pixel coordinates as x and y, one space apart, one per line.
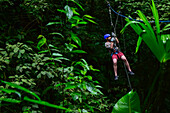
147 34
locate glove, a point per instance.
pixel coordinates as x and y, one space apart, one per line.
113 34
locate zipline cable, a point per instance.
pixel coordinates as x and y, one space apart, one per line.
131 18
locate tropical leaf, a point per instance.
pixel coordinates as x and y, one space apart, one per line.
57 54
88 16
156 17
45 104
77 4
41 42
78 51
82 22
134 25
9 91
92 21
146 32
69 12
167 27
60 10
40 36
75 12
55 33
144 19
10 100
129 103
138 44
21 88
75 39
53 23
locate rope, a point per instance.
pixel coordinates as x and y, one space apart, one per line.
131 18
119 45
123 62
111 22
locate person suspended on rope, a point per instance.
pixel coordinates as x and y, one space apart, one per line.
110 44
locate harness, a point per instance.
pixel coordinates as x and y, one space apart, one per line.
115 48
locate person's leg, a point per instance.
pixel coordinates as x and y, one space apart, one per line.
115 66
114 58
122 56
126 62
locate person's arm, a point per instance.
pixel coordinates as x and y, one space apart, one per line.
117 40
111 45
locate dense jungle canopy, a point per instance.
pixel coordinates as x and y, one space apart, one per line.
53 57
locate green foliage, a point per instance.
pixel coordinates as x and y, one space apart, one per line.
146 32
26 98
129 103
57 66
55 73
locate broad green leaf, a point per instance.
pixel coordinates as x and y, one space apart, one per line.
73 25
89 77
156 17
148 37
50 63
45 104
21 88
154 47
75 12
75 39
59 84
41 42
9 91
91 68
72 45
88 16
10 100
75 95
16 50
69 12
82 23
55 33
167 27
138 44
61 58
70 87
50 45
91 20
77 18
53 23
78 51
91 89
40 36
77 4
60 10
85 64
44 51
129 103
134 25
142 16
57 54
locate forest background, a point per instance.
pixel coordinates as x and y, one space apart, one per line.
54 51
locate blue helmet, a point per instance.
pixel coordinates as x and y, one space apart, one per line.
106 35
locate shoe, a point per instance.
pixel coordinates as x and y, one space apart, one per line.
116 77
131 73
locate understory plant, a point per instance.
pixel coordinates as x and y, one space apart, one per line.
158 42
55 79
